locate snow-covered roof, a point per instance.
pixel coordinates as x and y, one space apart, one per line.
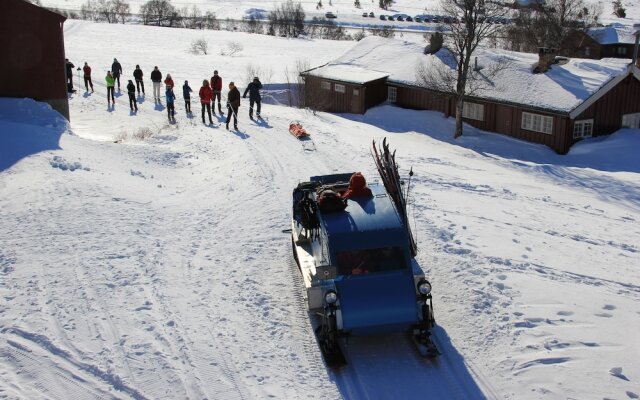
562 88
613 34
348 73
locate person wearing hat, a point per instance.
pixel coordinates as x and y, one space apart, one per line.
254 96
87 77
186 93
116 70
233 103
156 78
216 87
137 75
131 90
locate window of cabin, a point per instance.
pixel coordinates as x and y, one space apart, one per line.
473 111
583 128
622 51
631 120
324 85
587 51
537 123
339 88
392 94
356 92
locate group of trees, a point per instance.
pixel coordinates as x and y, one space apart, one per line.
551 24
287 20
112 11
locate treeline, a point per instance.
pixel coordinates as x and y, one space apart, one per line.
286 20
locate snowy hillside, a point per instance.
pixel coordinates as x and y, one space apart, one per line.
156 267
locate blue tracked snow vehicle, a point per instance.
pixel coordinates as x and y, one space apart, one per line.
357 261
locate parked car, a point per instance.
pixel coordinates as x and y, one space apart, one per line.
427 18
400 18
371 14
329 14
364 14
417 19
408 19
390 18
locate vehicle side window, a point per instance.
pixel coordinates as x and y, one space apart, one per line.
362 262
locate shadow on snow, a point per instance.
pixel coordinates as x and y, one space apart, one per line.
29 127
389 367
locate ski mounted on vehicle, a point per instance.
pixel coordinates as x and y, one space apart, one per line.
356 257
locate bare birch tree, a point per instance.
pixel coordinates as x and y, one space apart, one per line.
469 23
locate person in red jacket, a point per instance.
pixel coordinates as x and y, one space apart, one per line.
216 86
87 77
169 82
357 187
205 99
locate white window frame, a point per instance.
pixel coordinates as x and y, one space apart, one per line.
583 128
537 123
473 111
325 85
392 94
631 120
339 88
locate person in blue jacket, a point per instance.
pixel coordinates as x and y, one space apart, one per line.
186 93
171 108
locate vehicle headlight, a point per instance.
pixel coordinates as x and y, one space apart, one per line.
330 297
424 287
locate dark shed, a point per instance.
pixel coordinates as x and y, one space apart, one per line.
33 65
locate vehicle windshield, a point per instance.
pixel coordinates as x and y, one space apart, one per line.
361 262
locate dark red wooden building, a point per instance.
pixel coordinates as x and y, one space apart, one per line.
558 108
350 90
33 62
602 42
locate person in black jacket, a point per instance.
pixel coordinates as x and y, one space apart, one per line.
137 75
69 72
186 93
131 90
156 78
233 103
116 71
254 96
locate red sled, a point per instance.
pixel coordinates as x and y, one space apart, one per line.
297 130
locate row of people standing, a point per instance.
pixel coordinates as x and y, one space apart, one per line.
207 99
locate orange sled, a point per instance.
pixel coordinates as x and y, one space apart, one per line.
297 130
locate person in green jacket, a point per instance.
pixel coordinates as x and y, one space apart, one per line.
111 83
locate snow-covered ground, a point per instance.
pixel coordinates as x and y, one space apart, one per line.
157 268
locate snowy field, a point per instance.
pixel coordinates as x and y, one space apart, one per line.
156 267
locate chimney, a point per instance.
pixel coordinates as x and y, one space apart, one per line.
546 57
